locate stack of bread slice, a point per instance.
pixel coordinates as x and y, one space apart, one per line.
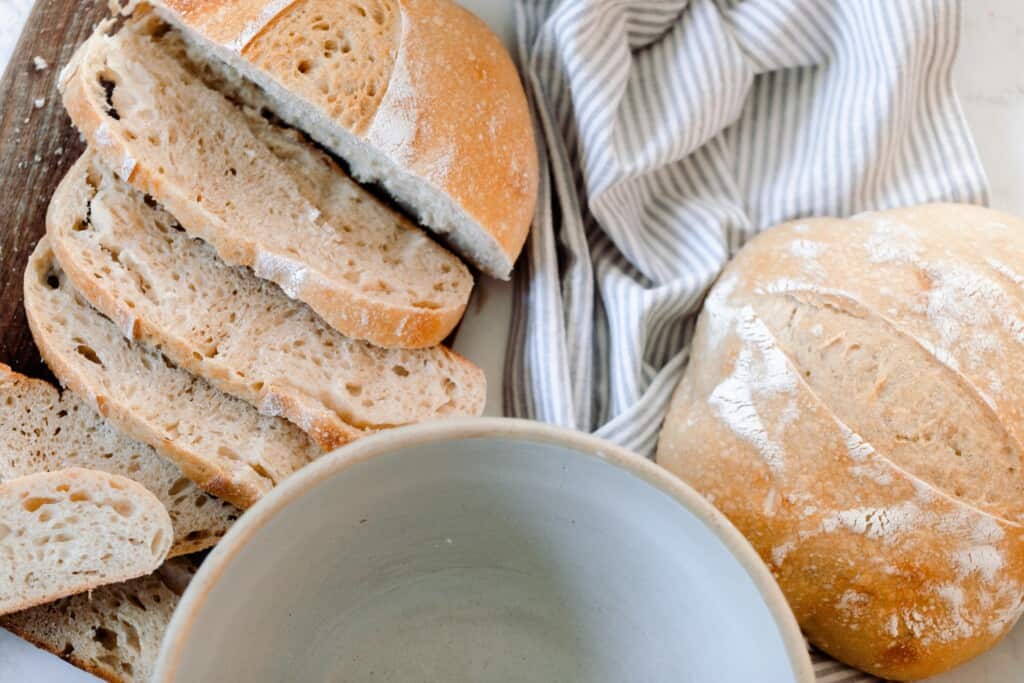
249 266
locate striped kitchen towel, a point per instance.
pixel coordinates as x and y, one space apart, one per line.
673 131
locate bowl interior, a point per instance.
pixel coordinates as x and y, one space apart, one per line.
483 559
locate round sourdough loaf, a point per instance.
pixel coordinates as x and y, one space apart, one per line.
416 95
854 406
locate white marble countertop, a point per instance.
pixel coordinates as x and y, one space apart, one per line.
12 15
990 82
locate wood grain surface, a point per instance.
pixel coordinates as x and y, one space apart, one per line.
37 145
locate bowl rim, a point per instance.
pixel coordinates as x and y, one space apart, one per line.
452 429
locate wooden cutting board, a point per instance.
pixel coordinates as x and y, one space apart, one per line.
37 145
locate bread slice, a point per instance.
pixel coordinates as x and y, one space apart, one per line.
43 429
68 531
219 442
239 332
114 632
416 95
259 194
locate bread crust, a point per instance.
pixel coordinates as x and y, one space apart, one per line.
903 569
350 312
471 135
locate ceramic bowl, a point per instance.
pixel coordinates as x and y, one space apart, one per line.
483 550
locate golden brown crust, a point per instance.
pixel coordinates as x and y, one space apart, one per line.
454 114
888 566
880 603
470 94
350 312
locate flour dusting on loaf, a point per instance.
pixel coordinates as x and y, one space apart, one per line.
853 407
1006 271
985 560
394 124
886 523
890 242
760 370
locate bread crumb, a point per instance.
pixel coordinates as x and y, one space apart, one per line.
39 63
39 102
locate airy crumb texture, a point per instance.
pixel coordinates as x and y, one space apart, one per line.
115 631
130 259
43 429
418 96
258 193
71 530
221 443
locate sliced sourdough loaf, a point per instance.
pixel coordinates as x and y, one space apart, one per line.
68 531
115 631
43 429
417 95
242 334
219 442
258 193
